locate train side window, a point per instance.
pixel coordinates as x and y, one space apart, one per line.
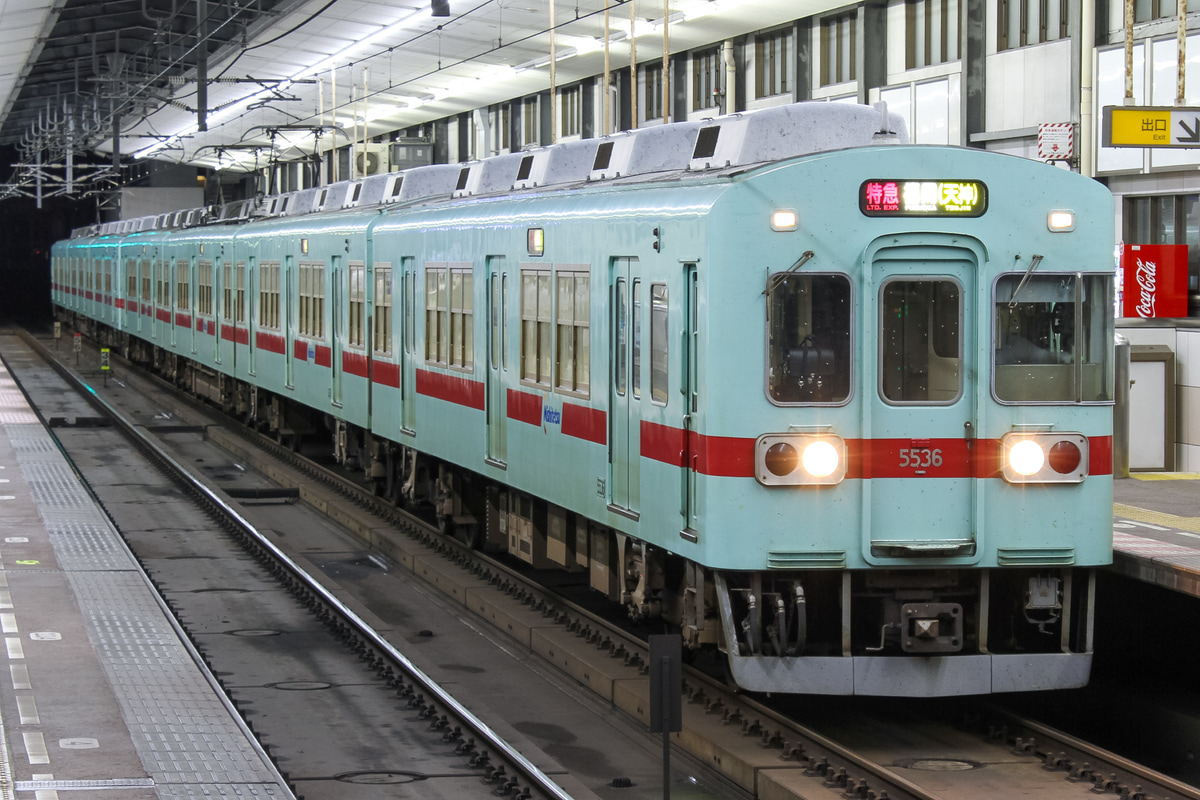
659 344
356 319
636 332
574 331
1053 338
239 301
268 294
146 281
183 283
462 317
435 314
204 287
227 292
808 329
537 339
383 310
920 351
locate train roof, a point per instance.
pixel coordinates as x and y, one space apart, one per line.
698 146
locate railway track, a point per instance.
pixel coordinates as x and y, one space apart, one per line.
981 752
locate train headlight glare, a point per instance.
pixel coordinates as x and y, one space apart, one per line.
1026 457
820 459
1061 220
1065 457
781 458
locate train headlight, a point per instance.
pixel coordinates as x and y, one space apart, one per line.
821 459
1044 457
799 459
1060 220
1026 457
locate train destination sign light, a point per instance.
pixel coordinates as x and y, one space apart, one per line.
1151 126
886 197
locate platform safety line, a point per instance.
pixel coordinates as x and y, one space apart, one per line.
1157 517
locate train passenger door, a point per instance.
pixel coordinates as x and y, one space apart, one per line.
625 384
255 311
285 305
690 390
922 358
337 313
497 413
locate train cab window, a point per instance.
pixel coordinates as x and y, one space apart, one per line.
1053 338
808 329
920 349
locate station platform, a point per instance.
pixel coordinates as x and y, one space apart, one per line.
100 694
1156 529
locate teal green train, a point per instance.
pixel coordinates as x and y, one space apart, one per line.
833 405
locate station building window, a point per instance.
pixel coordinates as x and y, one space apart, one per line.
838 35
1024 22
932 32
531 131
1166 219
652 77
570 111
706 79
1148 10
771 64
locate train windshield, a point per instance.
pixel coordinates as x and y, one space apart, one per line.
808 330
1053 339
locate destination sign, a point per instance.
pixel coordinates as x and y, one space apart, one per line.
917 198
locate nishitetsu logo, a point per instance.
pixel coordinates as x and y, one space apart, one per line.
1146 271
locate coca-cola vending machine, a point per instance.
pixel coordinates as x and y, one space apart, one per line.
1155 280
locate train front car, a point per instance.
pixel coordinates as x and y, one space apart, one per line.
931 414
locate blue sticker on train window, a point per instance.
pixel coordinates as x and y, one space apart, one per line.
887 197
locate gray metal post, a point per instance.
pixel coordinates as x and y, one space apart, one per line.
1121 408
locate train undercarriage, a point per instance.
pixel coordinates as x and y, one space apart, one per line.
820 631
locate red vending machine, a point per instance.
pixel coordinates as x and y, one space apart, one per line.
1155 278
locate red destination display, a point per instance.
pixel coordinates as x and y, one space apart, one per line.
1155 278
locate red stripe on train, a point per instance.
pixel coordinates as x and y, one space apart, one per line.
451 388
524 407
271 342
584 422
868 458
386 374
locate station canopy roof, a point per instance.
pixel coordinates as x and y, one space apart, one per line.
283 76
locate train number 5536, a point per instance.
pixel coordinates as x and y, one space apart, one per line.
920 457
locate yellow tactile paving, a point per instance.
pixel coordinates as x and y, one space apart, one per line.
1157 517
1166 476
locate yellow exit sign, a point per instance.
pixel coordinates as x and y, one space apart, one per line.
1151 126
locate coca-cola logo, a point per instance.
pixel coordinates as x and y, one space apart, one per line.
1146 271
